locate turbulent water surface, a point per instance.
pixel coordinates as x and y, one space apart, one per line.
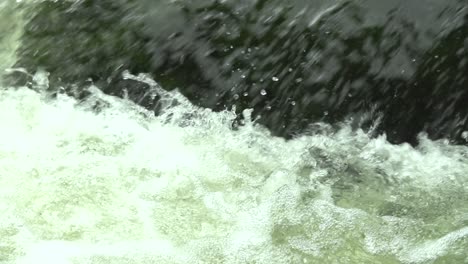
100 179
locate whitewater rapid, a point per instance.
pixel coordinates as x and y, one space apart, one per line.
105 181
120 185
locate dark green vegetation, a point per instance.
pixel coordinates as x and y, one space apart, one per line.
295 62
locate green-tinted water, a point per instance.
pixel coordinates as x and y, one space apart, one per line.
120 185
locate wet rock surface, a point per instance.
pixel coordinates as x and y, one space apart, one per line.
401 62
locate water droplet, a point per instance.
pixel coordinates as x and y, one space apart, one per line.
290 70
125 94
464 135
293 102
275 79
246 94
243 76
298 80
263 92
325 113
236 96
268 107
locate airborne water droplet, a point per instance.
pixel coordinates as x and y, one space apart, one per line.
263 92
275 79
464 135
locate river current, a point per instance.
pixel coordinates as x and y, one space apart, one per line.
117 184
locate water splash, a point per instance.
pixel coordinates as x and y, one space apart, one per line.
122 186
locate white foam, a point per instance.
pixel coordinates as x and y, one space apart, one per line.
81 187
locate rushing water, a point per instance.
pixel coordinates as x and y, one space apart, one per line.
103 180
122 187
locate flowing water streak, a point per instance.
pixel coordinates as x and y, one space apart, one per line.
10 28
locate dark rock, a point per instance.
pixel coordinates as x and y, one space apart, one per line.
294 63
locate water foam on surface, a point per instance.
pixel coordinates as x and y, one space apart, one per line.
123 186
